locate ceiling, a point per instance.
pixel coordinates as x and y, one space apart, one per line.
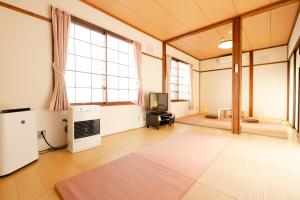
264 30
165 19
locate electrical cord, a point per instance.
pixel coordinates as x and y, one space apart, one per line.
52 147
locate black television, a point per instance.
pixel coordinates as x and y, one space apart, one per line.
158 102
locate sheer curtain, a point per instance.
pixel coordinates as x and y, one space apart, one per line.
168 85
191 101
60 27
138 62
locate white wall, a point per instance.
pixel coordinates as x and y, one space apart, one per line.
215 90
26 73
216 86
269 91
270 84
182 108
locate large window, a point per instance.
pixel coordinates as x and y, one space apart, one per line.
100 67
180 80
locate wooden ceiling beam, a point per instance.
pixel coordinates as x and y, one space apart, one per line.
256 11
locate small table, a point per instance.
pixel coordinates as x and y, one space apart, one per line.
222 112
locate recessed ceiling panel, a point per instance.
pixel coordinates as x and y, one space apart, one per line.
243 6
258 29
282 21
217 10
186 11
156 14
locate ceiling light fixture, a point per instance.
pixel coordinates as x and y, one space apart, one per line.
225 44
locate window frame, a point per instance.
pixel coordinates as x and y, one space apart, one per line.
107 33
178 99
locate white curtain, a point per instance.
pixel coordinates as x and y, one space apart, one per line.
191 101
60 28
168 85
140 101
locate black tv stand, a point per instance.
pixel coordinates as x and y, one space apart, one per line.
157 118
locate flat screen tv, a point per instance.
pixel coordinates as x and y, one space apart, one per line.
158 102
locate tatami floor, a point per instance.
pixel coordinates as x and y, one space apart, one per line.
249 167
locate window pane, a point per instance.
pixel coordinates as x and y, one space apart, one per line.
174 79
123 95
123 83
112 95
131 49
70 79
98 81
112 56
123 58
112 42
98 95
174 72
131 61
123 46
133 83
181 81
71 94
83 95
83 80
173 95
82 48
112 82
98 52
174 87
71 30
123 70
98 67
112 69
132 72
174 64
82 33
70 62
132 95
71 46
83 64
98 38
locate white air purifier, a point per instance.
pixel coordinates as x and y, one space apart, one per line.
18 140
83 127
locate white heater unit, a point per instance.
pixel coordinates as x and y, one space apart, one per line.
83 127
18 139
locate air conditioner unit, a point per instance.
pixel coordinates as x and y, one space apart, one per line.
83 127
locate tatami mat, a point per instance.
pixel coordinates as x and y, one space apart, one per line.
266 128
250 169
202 192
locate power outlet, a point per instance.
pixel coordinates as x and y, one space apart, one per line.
40 134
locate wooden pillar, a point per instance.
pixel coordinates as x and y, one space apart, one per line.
164 66
298 103
294 92
236 74
288 92
251 84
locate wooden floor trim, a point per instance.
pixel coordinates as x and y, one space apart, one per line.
257 65
26 12
270 63
152 56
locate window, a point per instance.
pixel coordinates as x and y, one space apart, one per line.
100 67
180 80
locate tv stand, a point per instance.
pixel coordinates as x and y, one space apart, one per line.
157 118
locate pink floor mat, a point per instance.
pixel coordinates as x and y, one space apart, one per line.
163 171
